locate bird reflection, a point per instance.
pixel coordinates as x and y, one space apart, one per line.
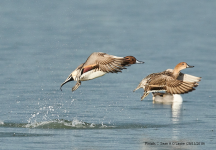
175 100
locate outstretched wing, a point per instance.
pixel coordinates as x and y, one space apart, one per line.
180 87
171 85
186 77
104 62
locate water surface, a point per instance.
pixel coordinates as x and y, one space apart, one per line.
41 42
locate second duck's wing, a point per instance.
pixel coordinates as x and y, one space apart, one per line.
170 85
180 87
156 83
186 77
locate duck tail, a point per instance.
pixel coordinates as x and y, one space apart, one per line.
144 95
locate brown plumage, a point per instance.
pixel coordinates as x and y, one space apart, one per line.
170 81
98 64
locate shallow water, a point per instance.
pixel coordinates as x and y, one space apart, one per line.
41 42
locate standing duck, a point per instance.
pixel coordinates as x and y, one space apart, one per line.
169 81
98 64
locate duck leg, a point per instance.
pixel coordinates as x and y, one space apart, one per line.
76 86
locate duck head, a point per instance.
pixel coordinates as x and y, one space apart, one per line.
180 66
132 60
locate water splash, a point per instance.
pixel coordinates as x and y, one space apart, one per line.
65 124
43 114
1 122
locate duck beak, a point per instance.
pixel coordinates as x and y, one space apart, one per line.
70 78
188 66
139 62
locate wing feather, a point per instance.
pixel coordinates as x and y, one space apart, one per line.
106 63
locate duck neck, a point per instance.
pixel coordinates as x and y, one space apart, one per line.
176 73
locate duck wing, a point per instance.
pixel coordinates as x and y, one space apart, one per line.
156 83
148 79
170 85
186 77
180 87
104 62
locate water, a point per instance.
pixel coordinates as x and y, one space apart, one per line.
41 42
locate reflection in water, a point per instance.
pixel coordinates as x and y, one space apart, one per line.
175 100
176 108
176 114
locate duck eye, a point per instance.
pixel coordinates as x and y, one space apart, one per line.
182 63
